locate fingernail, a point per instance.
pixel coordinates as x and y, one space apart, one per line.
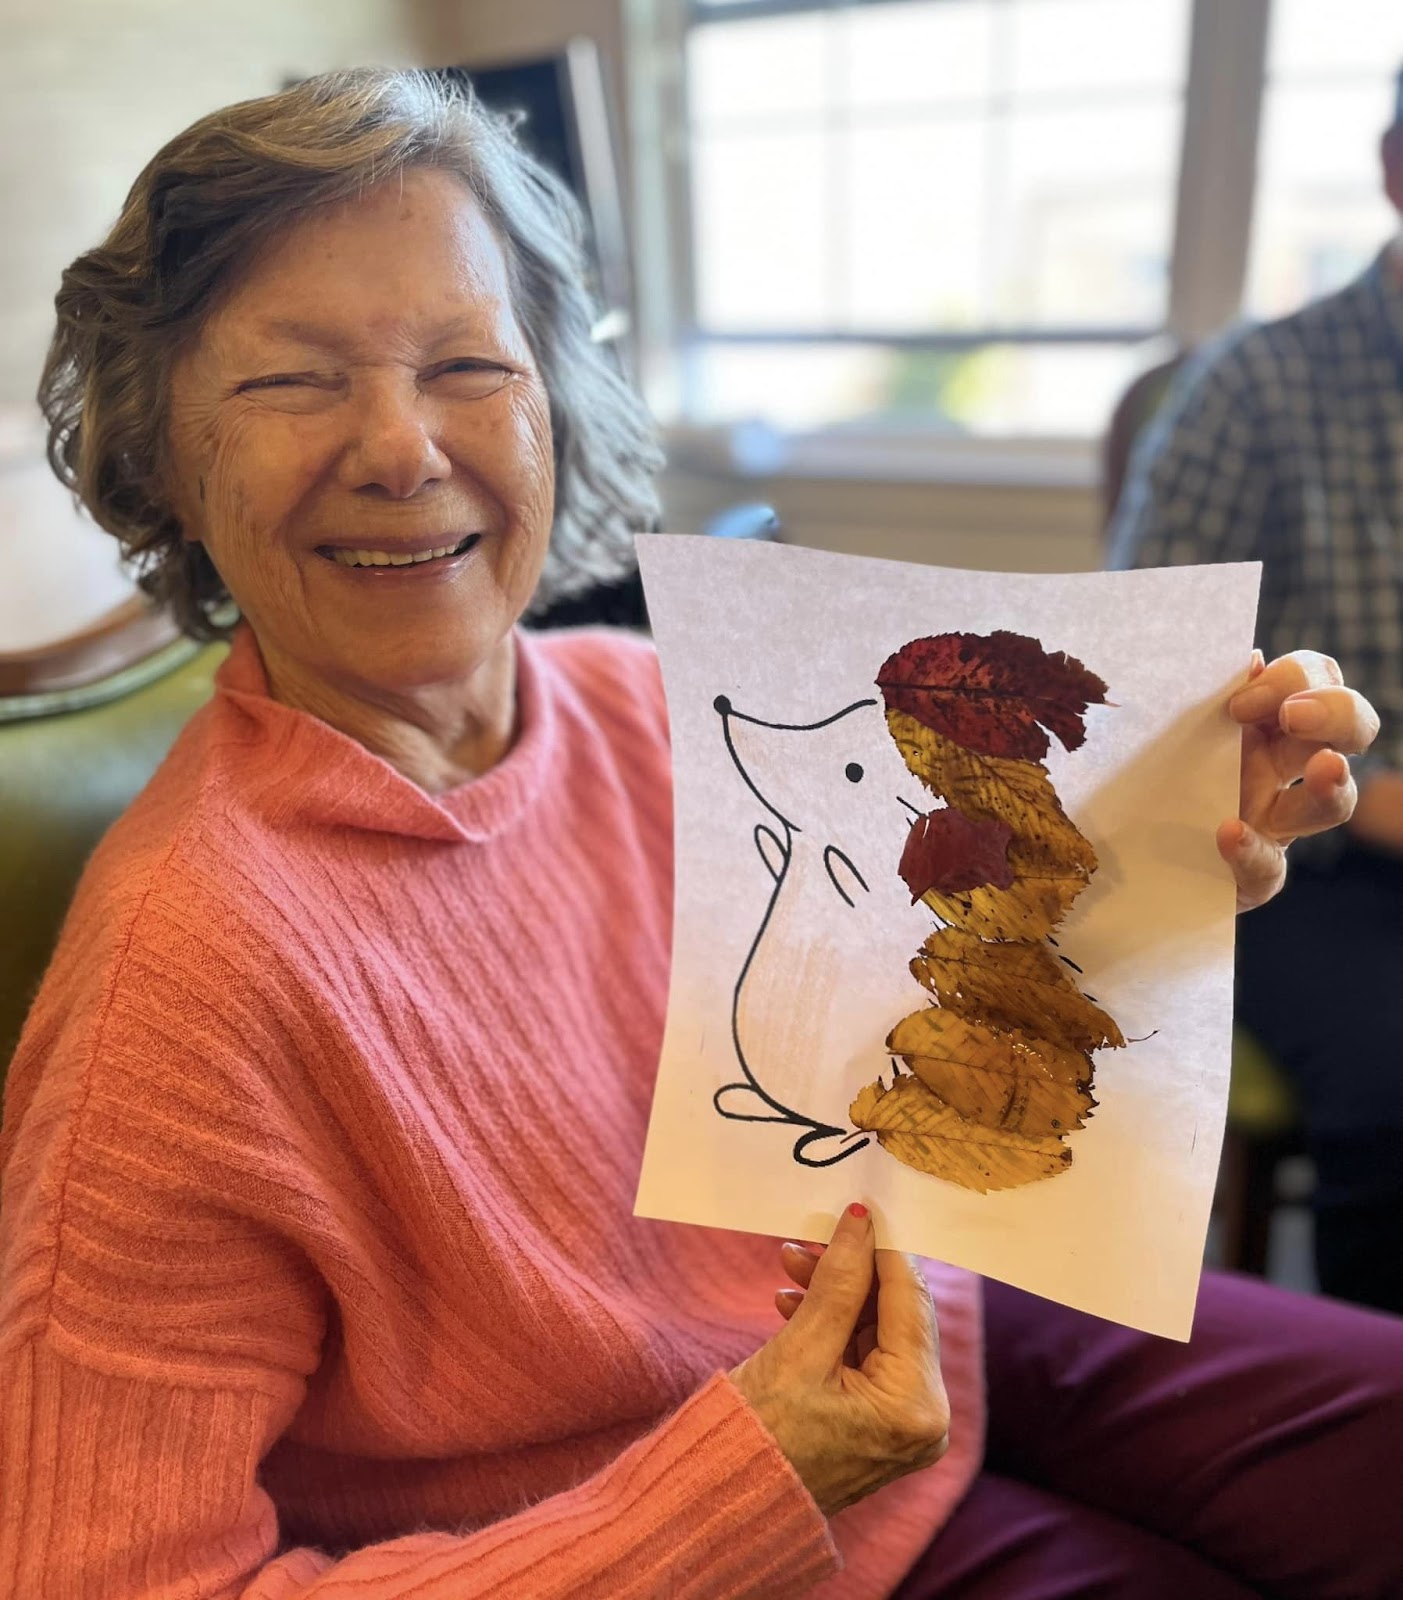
857 1209
1259 664
1304 716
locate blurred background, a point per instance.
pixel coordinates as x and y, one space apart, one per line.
886 264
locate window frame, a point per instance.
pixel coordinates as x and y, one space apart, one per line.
1210 238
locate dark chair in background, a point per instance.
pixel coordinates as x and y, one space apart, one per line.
1264 1125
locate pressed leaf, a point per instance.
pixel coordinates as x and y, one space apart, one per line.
1052 862
919 1129
1019 793
1029 909
948 851
990 692
1011 985
995 1078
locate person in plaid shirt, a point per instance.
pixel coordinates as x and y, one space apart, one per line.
1283 443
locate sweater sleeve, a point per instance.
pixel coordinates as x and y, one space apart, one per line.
160 1320
121 1486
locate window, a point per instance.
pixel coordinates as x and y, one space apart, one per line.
982 217
1321 214
958 211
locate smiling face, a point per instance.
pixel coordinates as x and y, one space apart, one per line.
365 389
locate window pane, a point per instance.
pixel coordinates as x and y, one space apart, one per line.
1084 225
913 232
917 53
1062 391
770 67
1098 44
1318 37
1321 213
789 386
763 252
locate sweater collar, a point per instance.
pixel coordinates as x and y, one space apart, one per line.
324 777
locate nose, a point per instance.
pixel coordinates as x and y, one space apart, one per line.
394 450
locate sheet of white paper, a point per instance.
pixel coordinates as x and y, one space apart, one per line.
790 985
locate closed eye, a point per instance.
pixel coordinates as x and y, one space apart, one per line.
470 378
278 380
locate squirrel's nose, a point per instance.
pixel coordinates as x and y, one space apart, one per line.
722 705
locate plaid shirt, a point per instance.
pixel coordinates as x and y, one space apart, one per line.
1283 442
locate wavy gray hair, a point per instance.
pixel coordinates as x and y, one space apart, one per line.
216 192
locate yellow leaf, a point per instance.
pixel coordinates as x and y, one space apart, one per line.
1019 793
1012 985
997 1079
919 1129
1030 908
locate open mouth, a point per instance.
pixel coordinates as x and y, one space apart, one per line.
389 558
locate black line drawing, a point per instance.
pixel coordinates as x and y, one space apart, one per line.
820 1142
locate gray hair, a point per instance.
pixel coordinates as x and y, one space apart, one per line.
216 192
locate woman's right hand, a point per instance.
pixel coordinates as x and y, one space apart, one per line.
851 1386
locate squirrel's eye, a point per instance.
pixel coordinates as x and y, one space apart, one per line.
854 772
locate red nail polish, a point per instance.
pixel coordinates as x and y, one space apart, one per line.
856 1209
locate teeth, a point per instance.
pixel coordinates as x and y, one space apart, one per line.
383 558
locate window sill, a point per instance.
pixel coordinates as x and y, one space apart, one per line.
753 450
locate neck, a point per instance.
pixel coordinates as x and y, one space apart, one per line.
437 735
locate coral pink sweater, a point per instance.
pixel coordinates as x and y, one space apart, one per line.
318 1268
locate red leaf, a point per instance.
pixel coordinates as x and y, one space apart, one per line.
950 852
989 692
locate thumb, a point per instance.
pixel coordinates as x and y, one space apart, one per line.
838 1290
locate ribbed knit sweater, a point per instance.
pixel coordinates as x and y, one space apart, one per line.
318 1268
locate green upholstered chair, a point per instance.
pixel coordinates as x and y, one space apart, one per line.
1263 1124
71 760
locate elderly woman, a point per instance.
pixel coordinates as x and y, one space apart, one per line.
320 1275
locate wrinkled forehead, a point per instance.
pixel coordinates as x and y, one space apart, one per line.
413 262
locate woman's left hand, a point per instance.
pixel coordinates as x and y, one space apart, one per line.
1298 717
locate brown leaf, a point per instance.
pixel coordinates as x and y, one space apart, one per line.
995 1078
948 851
1030 908
919 1129
989 692
1010 985
1052 862
1019 793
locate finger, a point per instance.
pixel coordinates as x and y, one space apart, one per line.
1325 798
788 1301
798 1262
905 1312
1260 699
842 1276
1338 717
1258 865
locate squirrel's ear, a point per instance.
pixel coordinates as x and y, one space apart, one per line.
843 875
772 850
